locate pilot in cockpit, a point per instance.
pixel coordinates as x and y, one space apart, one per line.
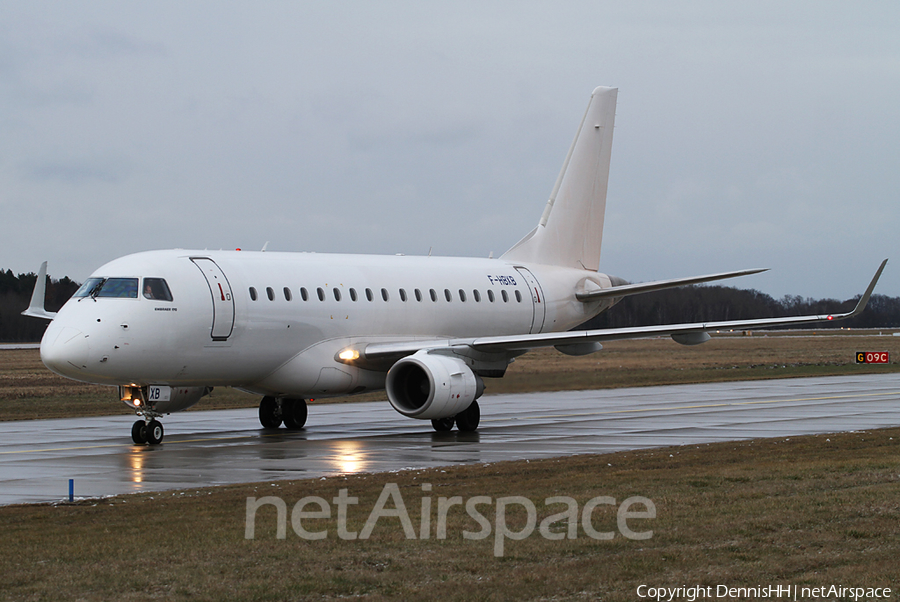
156 289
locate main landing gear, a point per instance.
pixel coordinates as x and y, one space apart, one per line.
466 421
147 431
275 410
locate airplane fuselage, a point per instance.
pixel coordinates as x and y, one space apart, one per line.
273 322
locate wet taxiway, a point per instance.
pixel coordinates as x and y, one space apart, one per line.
37 458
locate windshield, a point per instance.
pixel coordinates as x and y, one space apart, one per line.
89 285
123 288
119 287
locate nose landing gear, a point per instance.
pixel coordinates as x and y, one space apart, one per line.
147 431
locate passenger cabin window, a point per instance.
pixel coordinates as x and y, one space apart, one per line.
384 294
462 295
418 295
353 296
369 294
491 296
505 296
433 295
448 295
337 293
270 293
253 295
287 294
321 293
122 288
518 297
157 289
476 295
403 295
304 294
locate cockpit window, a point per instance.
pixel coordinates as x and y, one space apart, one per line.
157 289
88 287
122 288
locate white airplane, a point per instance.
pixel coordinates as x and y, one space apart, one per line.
166 327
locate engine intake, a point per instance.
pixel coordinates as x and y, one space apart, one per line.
428 387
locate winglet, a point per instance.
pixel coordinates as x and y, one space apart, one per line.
36 307
861 304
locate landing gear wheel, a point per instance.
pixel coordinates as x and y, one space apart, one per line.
467 420
442 425
294 412
154 432
269 414
139 432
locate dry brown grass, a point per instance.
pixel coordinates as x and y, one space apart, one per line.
28 390
808 511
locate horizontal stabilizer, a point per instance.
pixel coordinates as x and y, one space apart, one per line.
646 287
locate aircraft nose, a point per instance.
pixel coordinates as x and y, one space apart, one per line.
65 351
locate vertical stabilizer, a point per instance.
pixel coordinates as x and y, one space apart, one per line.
571 228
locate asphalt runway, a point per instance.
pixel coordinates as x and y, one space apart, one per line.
37 458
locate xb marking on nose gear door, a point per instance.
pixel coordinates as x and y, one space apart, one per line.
222 299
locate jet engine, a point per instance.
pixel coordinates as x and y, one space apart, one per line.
427 386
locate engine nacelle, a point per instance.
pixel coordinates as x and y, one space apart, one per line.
162 399
428 387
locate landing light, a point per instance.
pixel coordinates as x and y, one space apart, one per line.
137 403
349 355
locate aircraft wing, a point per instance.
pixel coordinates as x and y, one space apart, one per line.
685 333
646 287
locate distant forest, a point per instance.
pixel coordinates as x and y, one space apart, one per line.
15 295
687 304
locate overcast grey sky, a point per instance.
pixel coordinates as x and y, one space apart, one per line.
763 134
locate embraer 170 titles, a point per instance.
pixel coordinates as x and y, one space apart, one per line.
166 327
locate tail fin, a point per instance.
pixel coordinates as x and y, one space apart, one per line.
571 228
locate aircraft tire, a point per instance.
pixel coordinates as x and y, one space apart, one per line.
467 420
295 413
268 413
139 432
442 425
154 432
